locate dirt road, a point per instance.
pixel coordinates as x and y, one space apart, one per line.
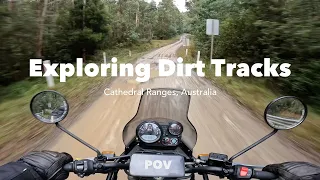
223 125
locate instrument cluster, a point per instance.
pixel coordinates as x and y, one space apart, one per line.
164 134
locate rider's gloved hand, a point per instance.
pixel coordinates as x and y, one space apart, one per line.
294 171
48 164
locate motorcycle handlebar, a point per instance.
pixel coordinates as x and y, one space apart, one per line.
264 175
87 167
205 169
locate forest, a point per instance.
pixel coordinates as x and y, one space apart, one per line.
63 30
287 31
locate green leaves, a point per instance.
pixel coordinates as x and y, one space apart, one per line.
17 43
285 31
72 27
169 20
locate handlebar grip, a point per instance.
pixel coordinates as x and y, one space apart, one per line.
68 167
264 175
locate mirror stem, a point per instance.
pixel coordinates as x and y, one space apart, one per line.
252 145
78 139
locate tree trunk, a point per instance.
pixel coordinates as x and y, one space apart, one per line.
11 5
83 26
41 29
137 15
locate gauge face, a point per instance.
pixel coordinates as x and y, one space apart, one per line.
175 129
149 132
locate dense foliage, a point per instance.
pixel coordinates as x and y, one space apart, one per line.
284 30
62 31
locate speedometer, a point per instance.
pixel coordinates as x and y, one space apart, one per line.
175 129
149 132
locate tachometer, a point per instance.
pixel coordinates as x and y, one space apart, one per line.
149 132
175 129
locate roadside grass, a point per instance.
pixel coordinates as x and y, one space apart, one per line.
20 132
254 94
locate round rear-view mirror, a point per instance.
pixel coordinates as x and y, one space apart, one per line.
49 107
285 113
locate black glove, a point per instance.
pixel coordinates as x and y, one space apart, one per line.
48 164
294 171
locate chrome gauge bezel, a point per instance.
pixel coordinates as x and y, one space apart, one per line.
149 142
177 124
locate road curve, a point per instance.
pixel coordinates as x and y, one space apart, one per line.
223 125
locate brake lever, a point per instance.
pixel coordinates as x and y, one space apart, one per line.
118 157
